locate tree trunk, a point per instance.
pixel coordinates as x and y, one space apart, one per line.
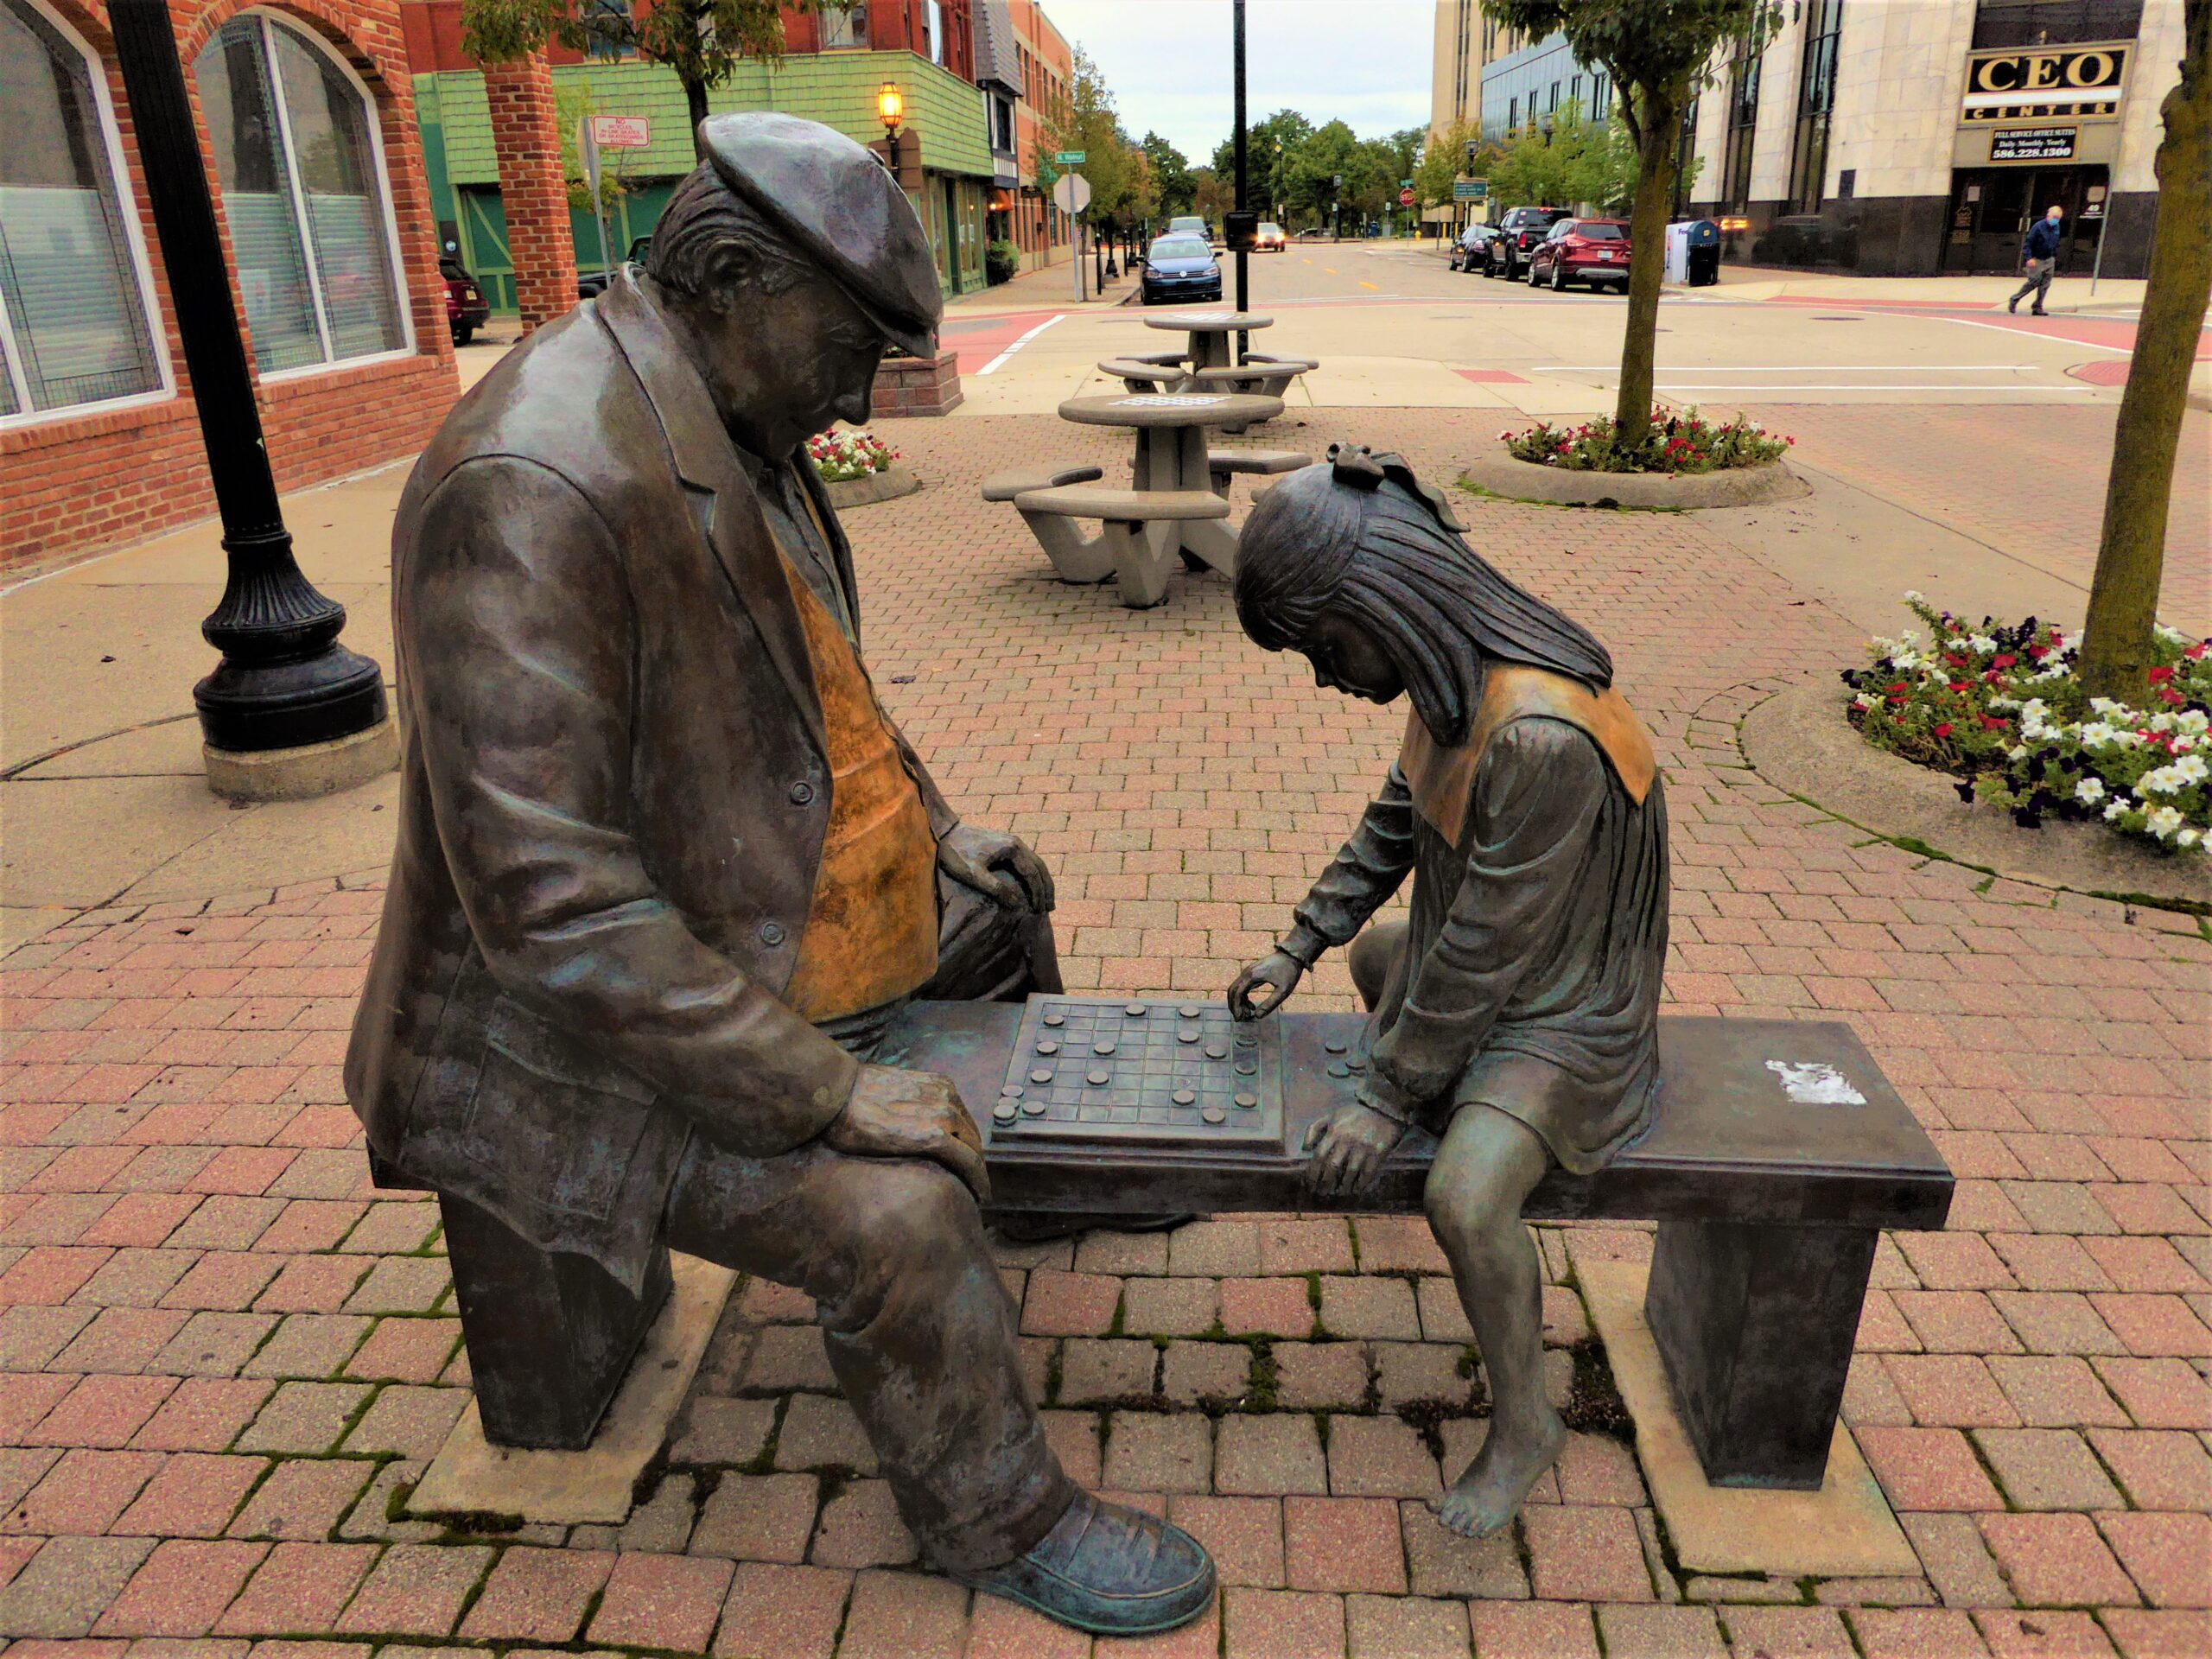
695 99
1659 131
2130 553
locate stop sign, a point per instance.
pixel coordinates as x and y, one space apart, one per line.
1405 198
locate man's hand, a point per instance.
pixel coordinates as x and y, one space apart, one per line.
1279 971
895 1113
1002 868
1349 1150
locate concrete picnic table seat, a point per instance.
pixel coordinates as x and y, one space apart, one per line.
1224 464
1015 481
1138 533
1142 374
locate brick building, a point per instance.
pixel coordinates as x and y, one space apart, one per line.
967 143
307 124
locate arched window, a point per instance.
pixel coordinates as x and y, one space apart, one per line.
74 310
304 195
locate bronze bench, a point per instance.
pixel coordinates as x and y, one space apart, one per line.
1768 1208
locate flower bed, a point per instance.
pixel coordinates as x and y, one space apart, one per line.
2000 708
1684 442
841 457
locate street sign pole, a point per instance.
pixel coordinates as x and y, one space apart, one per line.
587 151
1243 287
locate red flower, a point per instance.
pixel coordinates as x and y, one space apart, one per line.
2159 675
1991 722
1944 729
2167 694
2005 659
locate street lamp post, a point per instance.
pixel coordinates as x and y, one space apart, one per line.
891 110
284 683
1243 290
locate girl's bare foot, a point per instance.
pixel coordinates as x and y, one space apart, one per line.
1484 1499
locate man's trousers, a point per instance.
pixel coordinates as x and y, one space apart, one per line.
919 1330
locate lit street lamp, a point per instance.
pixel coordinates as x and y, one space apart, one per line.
891 110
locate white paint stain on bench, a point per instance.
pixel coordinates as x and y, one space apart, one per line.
1811 1083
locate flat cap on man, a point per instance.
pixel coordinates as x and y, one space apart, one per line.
840 205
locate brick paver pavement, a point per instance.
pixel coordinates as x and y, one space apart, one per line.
224 1356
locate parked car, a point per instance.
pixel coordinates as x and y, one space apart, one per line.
1180 266
591 284
1520 231
1189 225
1271 238
1590 251
1476 248
466 309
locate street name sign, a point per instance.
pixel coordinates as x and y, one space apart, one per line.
1068 158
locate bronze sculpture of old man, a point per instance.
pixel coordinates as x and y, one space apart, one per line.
665 867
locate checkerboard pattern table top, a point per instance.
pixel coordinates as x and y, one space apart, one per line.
1139 1072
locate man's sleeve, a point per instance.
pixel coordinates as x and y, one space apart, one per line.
1537 796
515 620
1366 871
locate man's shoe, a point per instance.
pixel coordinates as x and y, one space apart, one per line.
1108 1571
2013 305
2038 312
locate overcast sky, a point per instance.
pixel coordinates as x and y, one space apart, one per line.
1363 61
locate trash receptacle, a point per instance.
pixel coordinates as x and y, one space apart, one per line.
1677 264
1704 253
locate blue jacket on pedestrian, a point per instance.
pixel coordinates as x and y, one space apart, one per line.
2042 240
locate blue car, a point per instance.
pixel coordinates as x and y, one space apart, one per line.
1180 268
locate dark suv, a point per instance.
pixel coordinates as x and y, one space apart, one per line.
1518 233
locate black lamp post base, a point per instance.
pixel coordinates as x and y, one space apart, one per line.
252 708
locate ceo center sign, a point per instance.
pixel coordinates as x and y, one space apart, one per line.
2081 86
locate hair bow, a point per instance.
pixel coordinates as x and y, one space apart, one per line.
1359 467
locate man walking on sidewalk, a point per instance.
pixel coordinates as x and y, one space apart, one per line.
2039 258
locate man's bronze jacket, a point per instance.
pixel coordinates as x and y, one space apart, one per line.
613 801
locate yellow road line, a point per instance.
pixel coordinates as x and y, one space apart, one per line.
1328 271
1304 262
1374 285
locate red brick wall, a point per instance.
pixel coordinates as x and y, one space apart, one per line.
533 194
87 481
917 385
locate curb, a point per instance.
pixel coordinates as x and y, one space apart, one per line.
1501 473
888 485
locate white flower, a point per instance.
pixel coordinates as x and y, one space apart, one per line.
2160 780
2190 769
2171 636
1982 643
2089 790
1862 701
2114 809
2093 734
2163 823
2188 838
2019 752
1914 596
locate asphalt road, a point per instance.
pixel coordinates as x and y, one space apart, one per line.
1395 327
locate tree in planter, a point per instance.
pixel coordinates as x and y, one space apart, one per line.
702 41
1657 51
2116 651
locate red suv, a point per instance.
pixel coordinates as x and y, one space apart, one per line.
1519 233
466 309
1592 250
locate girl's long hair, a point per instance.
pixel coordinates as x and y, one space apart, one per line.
1360 537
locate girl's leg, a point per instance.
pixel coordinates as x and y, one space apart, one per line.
1489 1163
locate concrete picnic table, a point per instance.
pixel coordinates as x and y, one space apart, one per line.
1210 332
1171 453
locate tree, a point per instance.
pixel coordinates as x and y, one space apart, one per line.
2131 550
1212 194
1656 52
1170 176
1267 146
702 41
1112 165
572 105
1444 161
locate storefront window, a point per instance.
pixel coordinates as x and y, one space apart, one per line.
303 194
1809 153
73 311
2054 22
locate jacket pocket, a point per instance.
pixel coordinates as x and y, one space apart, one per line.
558 1127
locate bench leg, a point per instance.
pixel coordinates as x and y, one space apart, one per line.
1755 1326
549 1335
1074 557
1212 541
